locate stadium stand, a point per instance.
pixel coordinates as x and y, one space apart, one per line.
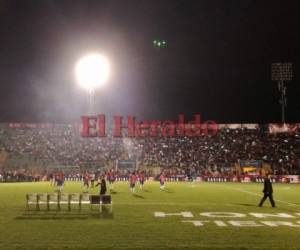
63 145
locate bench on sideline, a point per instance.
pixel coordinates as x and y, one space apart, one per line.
59 200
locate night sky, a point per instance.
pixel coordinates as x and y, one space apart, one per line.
217 62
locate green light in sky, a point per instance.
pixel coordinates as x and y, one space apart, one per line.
157 43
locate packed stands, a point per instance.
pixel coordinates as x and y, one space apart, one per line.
63 145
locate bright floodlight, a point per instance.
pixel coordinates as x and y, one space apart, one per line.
92 71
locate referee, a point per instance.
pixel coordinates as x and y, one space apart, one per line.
268 192
102 184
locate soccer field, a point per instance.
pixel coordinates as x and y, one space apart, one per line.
141 221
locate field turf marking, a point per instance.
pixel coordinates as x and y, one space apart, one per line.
255 194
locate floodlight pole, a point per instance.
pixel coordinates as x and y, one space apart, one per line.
283 100
282 73
91 97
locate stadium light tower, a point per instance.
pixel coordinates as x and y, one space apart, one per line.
282 73
92 71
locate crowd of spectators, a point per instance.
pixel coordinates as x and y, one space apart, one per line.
180 155
20 175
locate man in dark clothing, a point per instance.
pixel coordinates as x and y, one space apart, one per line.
102 184
268 192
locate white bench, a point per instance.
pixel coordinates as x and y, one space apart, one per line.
61 199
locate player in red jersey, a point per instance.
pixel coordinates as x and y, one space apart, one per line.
162 181
52 179
60 180
132 180
111 179
86 180
141 179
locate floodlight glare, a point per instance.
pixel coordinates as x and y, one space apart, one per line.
92 71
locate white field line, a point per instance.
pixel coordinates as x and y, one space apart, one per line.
168 204
255 194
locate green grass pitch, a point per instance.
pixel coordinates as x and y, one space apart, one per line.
132 225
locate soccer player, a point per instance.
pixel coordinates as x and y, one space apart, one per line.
111 179
268 192
132 180
162 181
60 181
141 179
56 177
86 179
93 176
52 179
